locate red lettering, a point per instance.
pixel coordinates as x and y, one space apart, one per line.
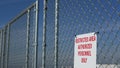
84 39
83 60
84 53
85 46
92 38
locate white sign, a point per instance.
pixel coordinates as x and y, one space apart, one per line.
85 51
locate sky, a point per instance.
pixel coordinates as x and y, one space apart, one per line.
11 8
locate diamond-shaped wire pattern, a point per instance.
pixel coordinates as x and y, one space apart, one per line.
85 16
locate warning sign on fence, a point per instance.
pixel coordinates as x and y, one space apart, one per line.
85 50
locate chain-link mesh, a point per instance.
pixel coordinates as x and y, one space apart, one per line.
84 16
17 51
18 40
75 17
49 62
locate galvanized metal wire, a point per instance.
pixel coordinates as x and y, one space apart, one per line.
19 40
85 16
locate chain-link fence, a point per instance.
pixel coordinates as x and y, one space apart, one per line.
18 40
62 21
78 17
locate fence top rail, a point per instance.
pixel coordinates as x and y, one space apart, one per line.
19 15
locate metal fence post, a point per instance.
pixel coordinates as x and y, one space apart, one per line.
8 41
27 40
44 35
1 49
56 34
36 36
4 47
